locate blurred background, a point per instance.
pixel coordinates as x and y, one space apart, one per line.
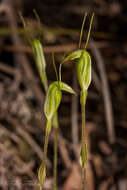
22 121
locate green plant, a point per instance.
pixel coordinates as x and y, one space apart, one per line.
54 96
41 67
53 99
83 68
52 102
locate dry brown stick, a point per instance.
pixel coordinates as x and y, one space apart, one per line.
96 80
7 69
105 92
11 71
5 131
25 168
64 152
49 49
28 138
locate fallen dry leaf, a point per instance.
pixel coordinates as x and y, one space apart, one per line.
74 180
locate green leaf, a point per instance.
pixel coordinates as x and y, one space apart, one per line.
40 61
53 99
83 67
73 56
66 87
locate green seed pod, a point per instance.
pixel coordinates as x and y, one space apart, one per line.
83 67
40 61
53 98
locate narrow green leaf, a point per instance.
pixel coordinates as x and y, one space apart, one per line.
66 87
73 56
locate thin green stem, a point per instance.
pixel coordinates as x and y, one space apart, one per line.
81 32
55 159
55 151
55 126
53 60
43 165
83 141
37 17
60 67
22 20
25 28
39 23
88 36
83 178
44 80
48 128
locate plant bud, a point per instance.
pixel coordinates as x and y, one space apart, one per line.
40 61
53 99
83 67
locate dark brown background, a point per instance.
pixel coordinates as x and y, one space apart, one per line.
22 121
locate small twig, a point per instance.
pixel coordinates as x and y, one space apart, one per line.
96 80
49 49
105 92
64 152
10 134
11 71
